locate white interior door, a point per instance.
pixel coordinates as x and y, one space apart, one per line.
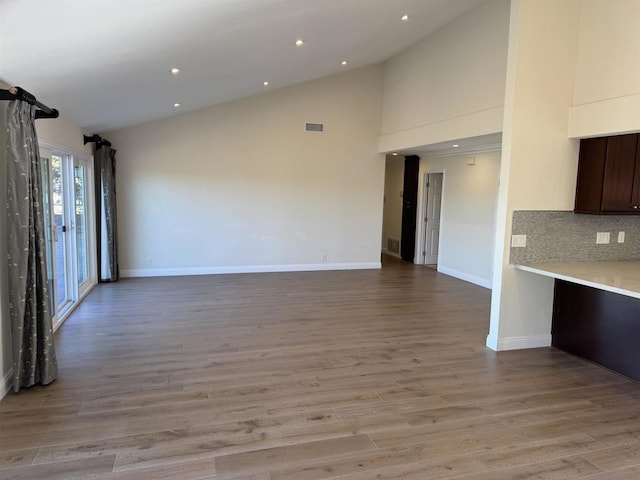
433 196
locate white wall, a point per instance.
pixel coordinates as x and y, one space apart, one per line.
65 134
393 186
468 214
242 187
539 162
607 86
451 84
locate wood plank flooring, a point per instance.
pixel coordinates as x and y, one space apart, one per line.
352 375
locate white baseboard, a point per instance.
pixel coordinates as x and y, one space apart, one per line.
483 282
391 254
7 384
307 267
519 343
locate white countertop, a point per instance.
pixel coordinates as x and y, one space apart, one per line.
616 277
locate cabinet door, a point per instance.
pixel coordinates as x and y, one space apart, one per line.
636 181
619 174
590 175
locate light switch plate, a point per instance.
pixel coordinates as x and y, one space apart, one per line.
602 237
518 241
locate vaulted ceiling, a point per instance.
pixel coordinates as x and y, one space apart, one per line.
106 64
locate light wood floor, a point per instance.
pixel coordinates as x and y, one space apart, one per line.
355 375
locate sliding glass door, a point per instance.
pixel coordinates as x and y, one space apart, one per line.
70 261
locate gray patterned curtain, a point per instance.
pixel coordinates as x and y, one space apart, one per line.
109 271
34 356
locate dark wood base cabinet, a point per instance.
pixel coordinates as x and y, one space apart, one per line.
599 326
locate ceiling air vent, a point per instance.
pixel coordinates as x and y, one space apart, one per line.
314 127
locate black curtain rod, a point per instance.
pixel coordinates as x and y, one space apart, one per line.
17 93
97 139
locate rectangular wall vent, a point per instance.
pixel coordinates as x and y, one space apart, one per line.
393 245
314 127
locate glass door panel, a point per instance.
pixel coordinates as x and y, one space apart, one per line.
59 230
80 214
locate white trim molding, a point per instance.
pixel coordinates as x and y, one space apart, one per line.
310 267
519 343
483 282
7 383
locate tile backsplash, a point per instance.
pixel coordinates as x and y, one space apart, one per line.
560 236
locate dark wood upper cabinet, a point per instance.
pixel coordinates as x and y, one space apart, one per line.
609 175
590 175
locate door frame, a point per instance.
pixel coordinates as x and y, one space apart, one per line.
421 231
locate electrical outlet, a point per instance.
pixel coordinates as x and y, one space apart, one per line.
148 262
602 237
620 237
323 258
518 241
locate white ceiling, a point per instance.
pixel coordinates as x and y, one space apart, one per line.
105 63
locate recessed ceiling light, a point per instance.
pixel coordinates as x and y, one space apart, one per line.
265 83
299 42
175 71
455 145
395 154
404 18
176 105
343 62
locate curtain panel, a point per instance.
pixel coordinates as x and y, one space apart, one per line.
34 357
107 220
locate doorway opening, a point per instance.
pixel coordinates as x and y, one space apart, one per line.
409 208
400 211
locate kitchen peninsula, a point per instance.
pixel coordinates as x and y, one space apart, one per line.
596 311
